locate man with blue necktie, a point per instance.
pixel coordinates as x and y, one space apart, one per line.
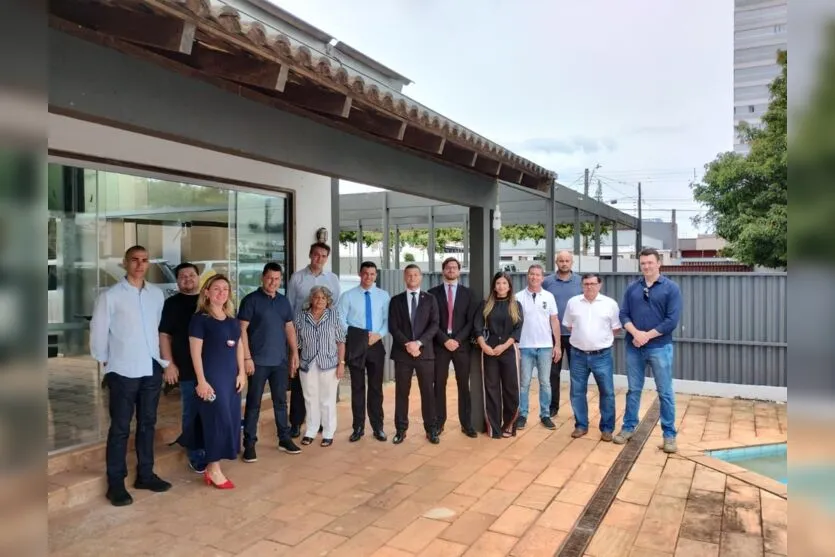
364 314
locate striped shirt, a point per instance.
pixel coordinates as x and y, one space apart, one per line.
318 341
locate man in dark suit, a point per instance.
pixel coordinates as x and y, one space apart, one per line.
413 323
452 344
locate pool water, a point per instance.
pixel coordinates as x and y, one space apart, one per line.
768 460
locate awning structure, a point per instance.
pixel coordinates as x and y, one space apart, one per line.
258 51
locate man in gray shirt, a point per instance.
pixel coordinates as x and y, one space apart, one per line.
298 289
564 285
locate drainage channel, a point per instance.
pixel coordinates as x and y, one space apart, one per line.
579 538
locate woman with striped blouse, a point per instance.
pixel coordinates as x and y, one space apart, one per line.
322 362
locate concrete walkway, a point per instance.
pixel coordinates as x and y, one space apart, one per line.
473 497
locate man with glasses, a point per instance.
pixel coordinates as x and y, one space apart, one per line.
593 321
650 312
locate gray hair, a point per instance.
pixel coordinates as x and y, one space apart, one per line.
315 290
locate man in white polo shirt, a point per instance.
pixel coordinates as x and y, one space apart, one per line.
539 344
593 320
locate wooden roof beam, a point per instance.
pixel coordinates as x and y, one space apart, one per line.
317 99
377 124
509 174
460 155
240 68
487 165
425 141
173 35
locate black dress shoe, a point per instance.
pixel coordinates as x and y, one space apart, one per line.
433 437
356 435
399 437
153 483
119 496
469 432
380 435
440 430
295 431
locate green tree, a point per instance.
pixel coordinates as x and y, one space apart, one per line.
746 196
408 258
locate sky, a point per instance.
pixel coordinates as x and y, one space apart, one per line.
642 88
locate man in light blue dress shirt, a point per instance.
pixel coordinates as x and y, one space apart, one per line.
298 289
364 314
124 339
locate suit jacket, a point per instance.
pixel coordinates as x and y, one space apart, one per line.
462 315
400 327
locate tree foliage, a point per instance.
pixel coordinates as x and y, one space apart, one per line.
746 195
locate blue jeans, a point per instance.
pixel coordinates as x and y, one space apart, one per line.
188 398
602 367
541 359
660 360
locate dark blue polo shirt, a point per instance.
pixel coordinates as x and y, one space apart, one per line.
267 317
659 310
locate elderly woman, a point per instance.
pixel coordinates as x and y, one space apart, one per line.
322 362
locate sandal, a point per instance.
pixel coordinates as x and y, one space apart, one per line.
327 442
307 440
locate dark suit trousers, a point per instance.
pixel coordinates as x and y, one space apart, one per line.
501 391
371 363
460 359
127 394
297 411
556 367
425 370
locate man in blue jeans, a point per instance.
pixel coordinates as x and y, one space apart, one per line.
593 321
650 312
539 345
267 329
174 347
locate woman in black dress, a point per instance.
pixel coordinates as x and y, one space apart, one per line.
214 339
498 326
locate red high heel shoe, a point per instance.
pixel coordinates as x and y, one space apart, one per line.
225 485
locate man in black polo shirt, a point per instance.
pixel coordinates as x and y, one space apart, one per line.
266 330
173 346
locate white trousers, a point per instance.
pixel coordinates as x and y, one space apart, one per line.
320 389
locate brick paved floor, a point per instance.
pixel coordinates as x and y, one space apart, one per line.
473 497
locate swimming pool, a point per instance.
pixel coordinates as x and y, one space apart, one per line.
768 460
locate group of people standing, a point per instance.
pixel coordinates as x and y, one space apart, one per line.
306 340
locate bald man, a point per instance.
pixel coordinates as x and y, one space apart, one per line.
564 284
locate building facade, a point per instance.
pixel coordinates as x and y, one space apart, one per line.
760 31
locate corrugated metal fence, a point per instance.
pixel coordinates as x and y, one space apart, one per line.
732 328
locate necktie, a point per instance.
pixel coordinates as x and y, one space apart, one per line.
368 322
413 312
534 297
449 304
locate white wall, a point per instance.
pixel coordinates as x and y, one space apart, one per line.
85 138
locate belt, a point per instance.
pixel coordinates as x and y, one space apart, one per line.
591 352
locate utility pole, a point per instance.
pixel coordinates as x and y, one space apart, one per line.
586 183
639 234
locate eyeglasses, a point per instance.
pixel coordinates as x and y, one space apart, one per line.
590 284
646 294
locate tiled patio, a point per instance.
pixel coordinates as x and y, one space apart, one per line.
473 497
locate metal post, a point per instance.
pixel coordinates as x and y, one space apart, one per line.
465 236
335 229
549 228
614 247
597 236
430 249
359 245
396 247
482 238
577 252
385 254
639 234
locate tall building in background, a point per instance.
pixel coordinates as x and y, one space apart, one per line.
760 30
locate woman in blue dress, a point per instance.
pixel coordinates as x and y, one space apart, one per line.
214 339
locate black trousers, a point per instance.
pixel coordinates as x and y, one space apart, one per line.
372 366
425 371
127 394
556 367
297 411
501 391
460 360
277 377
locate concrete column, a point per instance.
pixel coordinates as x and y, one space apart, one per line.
385 254
359 245
465 235
577 237
396 247
597 236
549 230
335 229
431 240
614 247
